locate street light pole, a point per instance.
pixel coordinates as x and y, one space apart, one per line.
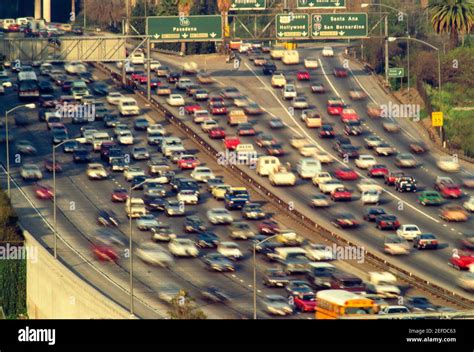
386 50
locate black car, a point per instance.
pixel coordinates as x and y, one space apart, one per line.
108 218
385 221
348 150
267 247
372 214
327 131
419 303
341 141
114 152
269 68
173 77
87 77
352 128
66 86
81 156
320 275
218 262
70 146
405 184
193 223
100 88
207 239
46 87
111 120
154 202
184 184
77 31
215 294
275 277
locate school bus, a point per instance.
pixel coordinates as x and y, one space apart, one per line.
334 304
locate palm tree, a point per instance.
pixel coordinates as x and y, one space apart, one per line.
184 8
224 6
453 17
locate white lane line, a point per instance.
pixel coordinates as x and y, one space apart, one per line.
327 78
321 148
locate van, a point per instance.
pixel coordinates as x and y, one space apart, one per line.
7 22
308 167
237 117
98 138
291 57
265 164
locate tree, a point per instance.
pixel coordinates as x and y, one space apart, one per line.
453 17
106 13
184 8
183 307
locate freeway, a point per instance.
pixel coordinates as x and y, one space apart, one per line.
431 265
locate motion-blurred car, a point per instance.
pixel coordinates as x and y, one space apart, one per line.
372 214
25 147
275 277
31 172
462 260
341 193
425 241
44 192
340 72
218 262
277 305
153 254
385 221
183 247
345 220
448 164
430 198
319 201
418 147
378 170
395 245
454 213
357 94
119 195
219 216
108 218
241 230
146 222
405 160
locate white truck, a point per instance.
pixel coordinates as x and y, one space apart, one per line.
280 176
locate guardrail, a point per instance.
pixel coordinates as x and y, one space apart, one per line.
328 235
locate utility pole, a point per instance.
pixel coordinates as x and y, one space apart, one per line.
386 50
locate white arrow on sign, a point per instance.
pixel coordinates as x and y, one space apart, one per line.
213 34
311 4
342 33
304 34
337 4
316 33
233 5
257 5
280 34
156 36
184 35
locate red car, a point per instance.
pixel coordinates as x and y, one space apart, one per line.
44 192
105 253
268 227
303 76
218 109
231 142
335 106
349 115
449 190
191 107
216 133
48 165
119 195
345 220
462 260
392 177
346 174
14 28
341 72
305 302
139 76
188 162
341 193
378 171
216 100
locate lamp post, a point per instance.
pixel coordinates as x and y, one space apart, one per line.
386 40
28 106
255 244
130 244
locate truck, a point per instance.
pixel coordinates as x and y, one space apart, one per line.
236 198
281 176
237 117
135 207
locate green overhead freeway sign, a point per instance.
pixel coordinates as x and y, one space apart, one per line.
190 28
321 4
339 25
292 26
248 5
398 72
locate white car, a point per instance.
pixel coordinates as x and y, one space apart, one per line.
448 164
152 253
289 91
311 62
372 141
209 124
31 172
138 57
370 197
156 128
183 83
129 67
183 247
396 245
323 157
175 100
321 177
230 250
125 137
219 216
128 106
199 116
140 153
408 232
368 185
469 204
329 185
365 161
146 222
75 67
119 128
241 230
318 252
328 52
202 174
114 98
187 197
131 172
394 310
308 150
154 64
300 102
96 171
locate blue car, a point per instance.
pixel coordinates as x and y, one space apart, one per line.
207 240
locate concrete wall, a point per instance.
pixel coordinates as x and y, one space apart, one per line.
53 291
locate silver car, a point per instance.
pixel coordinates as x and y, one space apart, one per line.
277 305
219 216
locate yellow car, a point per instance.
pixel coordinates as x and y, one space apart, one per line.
289 238
454 213
218 192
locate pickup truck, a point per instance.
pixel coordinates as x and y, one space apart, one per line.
280 176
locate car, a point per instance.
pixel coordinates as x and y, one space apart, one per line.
466 281
396 245
347 151
140 124
151 253
278 80
448 164
430 198
420 304
218 216
327 186
25 147
384 149
229 250
341 193
241 230
119 195
318 88
311 62
378 170
348 114
44 192
246 129
87 77
296 287
163 89
230 93
346 173
357 94
345 221
219 191
276 123
140 153
100 88
207 239
303 76
218 262
392 177
418 147
96 171
173 77
81 155
372 214
275 150
398 309
49 165
327 51
253 211
469 204
405 160
187 162
300 102
108 218
174 208
319 201
200 95
154 202
183 83
340 72
327 131
111 120
447 187
275 277
114 98
277 305
253 109
187 197
385 221
369 185
131 172
425 241
323 157
370 197
152 188
454 213
175 100
408 231
183 247
162 71
462 260
45 87
289 91
307 150
146 222
391 126
268 227
125 138
372 141
405 184
352 127
31 172
318 252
